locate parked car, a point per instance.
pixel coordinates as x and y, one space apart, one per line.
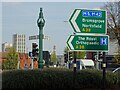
117 70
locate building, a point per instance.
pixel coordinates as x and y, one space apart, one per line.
19 42
6 46
60 60
26 62
46 57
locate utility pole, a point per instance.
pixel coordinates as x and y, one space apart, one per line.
40 23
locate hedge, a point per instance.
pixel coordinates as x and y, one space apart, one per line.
57 79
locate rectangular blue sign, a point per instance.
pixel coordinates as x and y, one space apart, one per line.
103 41
87 13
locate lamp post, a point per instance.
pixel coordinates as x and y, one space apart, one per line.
40 23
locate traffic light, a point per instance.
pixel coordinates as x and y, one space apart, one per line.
94 54
100 55
70 56
65 58
34 49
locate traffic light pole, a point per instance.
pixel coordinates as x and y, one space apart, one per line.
40 23
74 71
68 56
104 72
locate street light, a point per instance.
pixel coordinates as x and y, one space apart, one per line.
40 23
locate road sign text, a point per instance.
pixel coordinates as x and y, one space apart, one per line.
88 42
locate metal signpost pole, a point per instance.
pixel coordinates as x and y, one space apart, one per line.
40 23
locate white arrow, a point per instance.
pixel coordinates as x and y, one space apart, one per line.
69 42
74 22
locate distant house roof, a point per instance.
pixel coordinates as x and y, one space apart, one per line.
3 55
21 55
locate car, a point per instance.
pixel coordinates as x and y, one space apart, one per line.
117 70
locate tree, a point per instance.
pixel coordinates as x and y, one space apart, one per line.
81 55
53 57
117 56
12 59
113 24
113 20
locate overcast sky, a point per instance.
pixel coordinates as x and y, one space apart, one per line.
56 0
20 16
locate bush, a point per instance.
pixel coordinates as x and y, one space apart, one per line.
53 78
89 79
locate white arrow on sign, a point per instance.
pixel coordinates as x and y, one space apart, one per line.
69 42
74 22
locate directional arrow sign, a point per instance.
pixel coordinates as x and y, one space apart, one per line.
37 37
34 37
88 21
88 43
